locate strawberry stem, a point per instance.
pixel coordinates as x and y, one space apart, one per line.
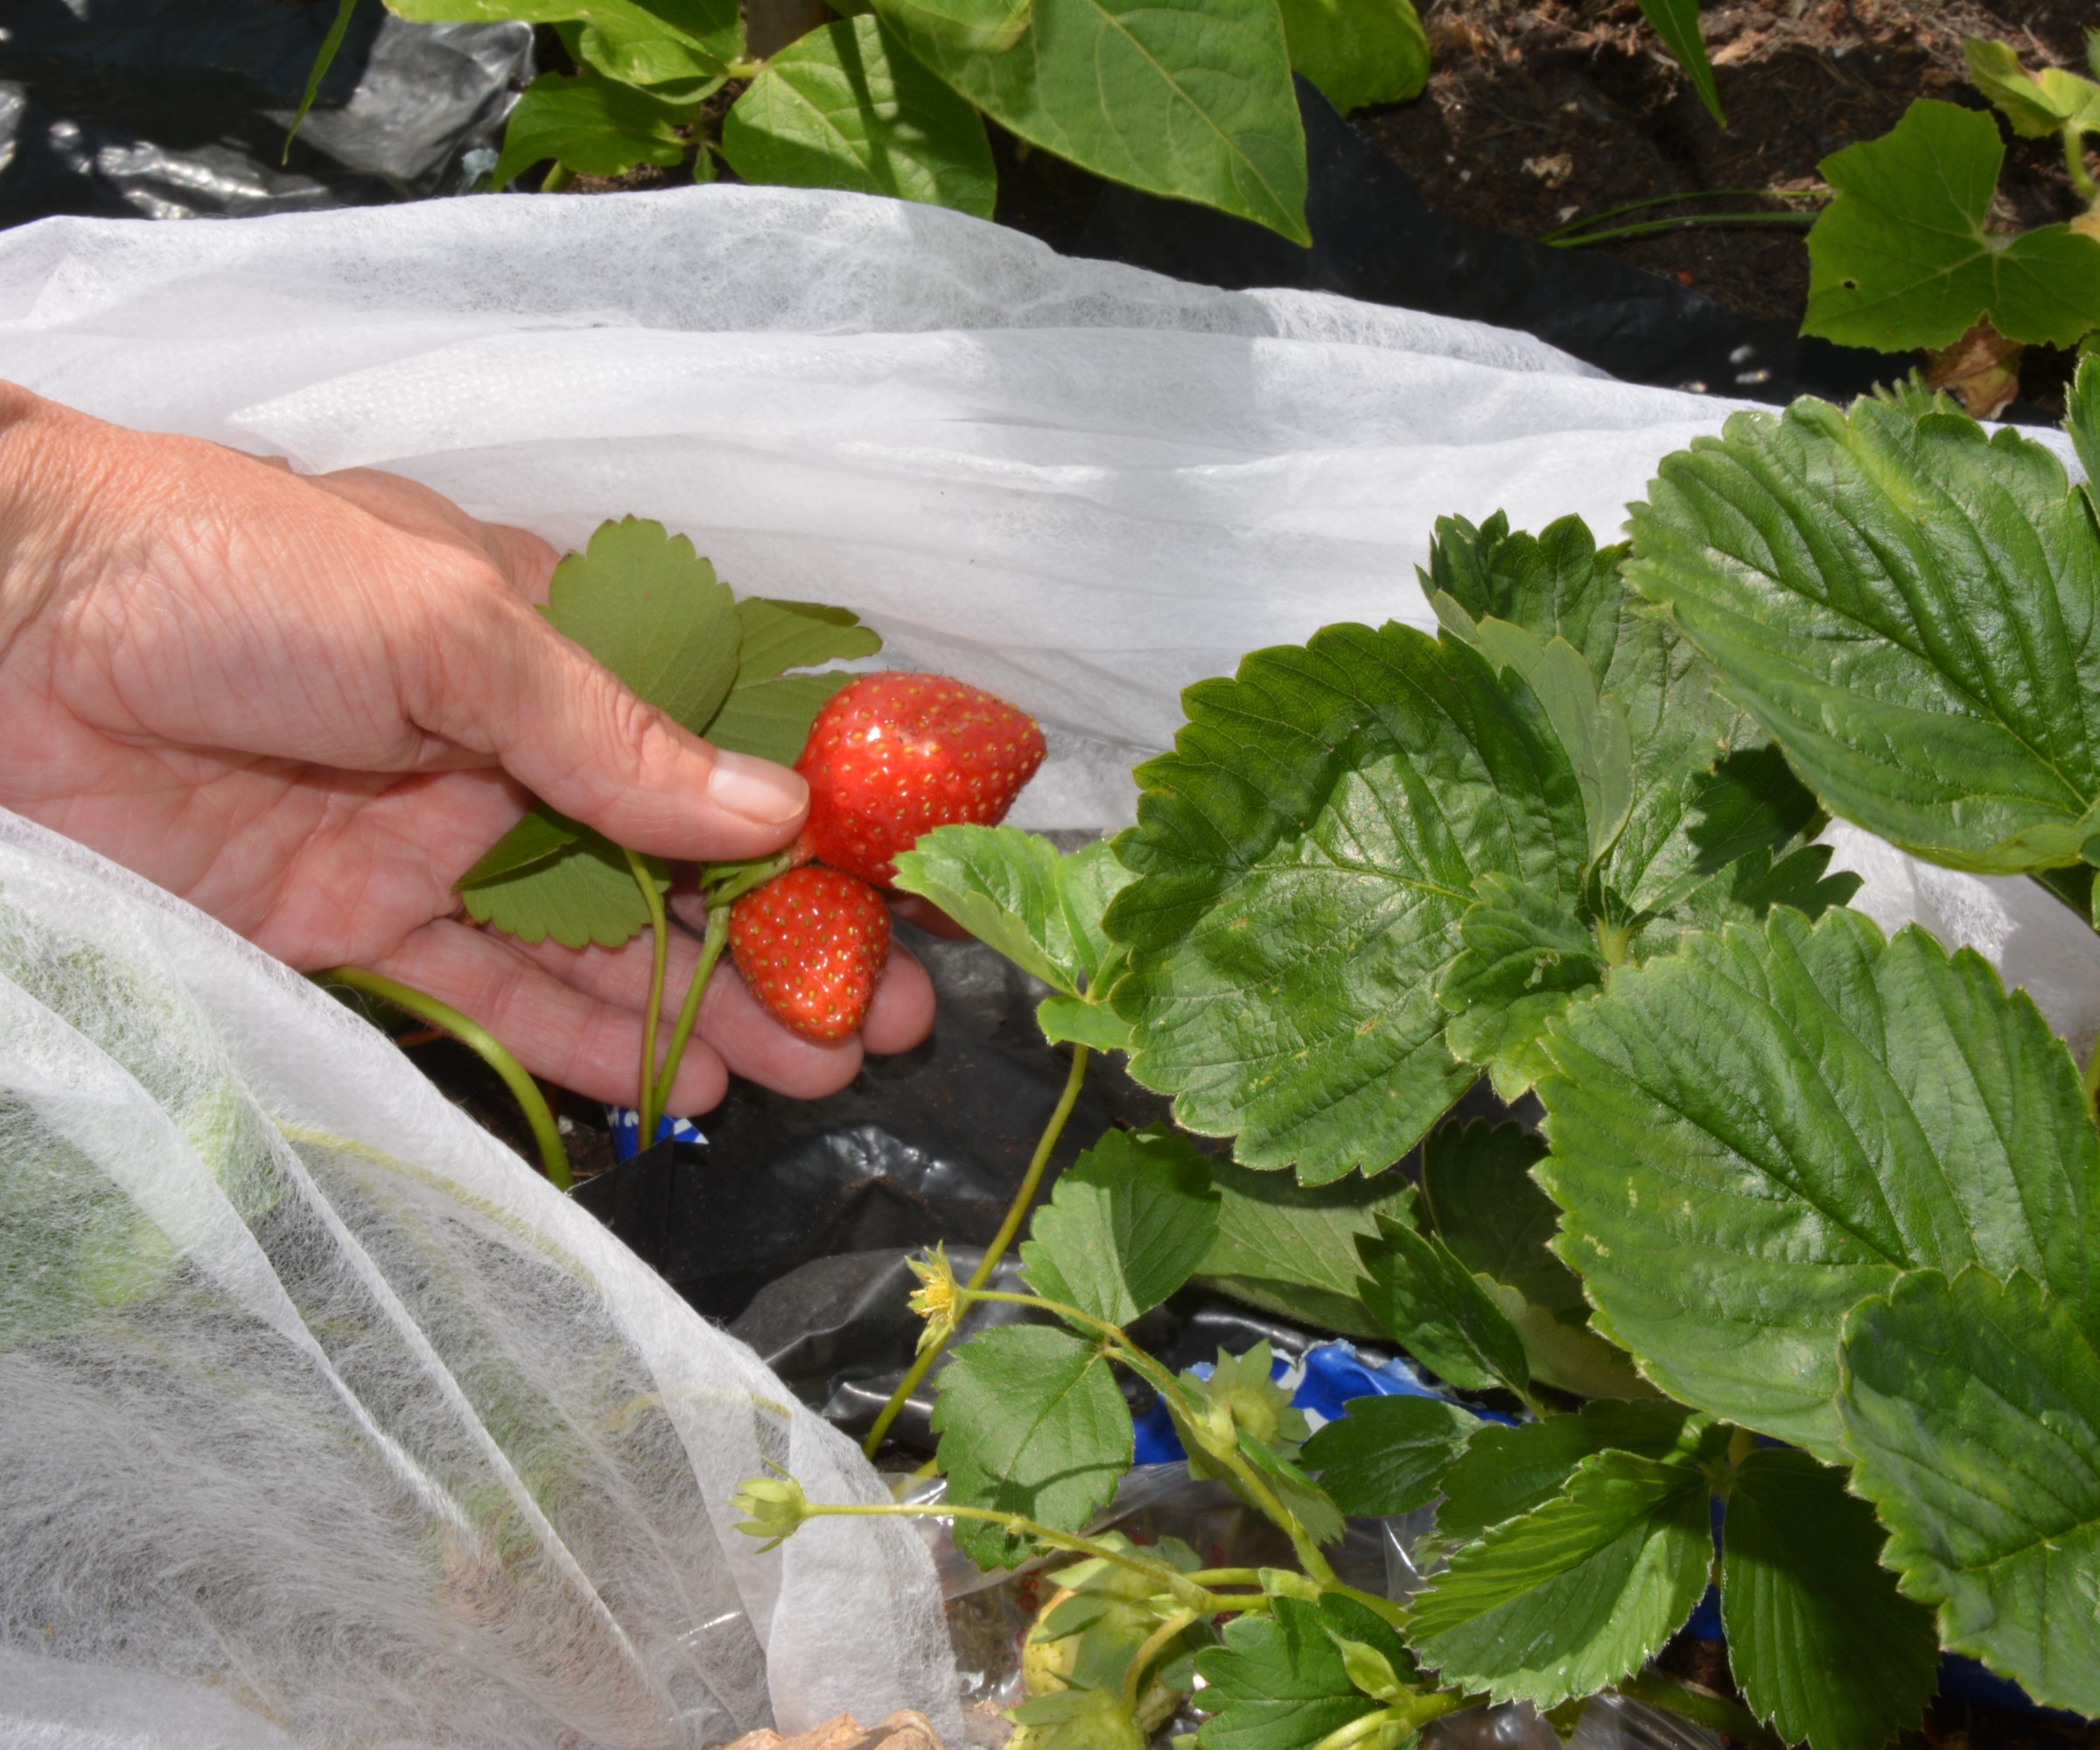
993 1253
645 1096
711 945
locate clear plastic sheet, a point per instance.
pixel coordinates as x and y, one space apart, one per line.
325 1416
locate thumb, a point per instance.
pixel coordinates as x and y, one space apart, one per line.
572 734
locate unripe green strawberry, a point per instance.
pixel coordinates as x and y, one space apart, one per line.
895 755
811 943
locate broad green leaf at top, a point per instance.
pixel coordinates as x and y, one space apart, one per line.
1901 257
712 25
1972 1407
1190 98
1677 23
985 26
1804 1598
1909 606
1358 52
2036 104
590 124
847 107
1754 1134
1127 1224
1576 1593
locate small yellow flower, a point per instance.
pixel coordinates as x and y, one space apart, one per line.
937 1300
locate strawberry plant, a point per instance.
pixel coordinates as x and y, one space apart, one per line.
1792 1293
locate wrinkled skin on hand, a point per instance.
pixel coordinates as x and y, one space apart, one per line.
307 705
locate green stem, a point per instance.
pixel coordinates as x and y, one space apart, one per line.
557 178
1201 1599
1791 221
1000 1240
660 932
1133 1679
554 1158
689 1011
2074 161
1589 219
1659 1689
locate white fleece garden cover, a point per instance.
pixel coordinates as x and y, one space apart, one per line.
316 1402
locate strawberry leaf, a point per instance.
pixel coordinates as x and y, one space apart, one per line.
1435 1308
1128 1223
1281 1682
1505 1472
1973 1409
1484 1204
1576 1593
1804 1596
1031 1423
779 635
1388 1455
772 718
1754 1134
582 893
1900 599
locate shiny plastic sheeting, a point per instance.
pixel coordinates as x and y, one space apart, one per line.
325 1416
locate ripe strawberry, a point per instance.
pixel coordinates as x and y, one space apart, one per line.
895 755
811 943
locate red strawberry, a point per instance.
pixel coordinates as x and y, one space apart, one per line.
895 755
812 943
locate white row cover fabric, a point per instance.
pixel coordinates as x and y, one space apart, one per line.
326 1421
315 1397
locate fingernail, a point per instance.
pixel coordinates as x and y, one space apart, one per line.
756 788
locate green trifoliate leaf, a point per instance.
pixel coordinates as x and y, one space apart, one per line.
772 718
1578 1593
1280 1682
1358 51
2036 104
1973 1409
651 610
847 107
1303 855
1899 600
775 636
1804 1599
1436 1309
590 124
581 892
1901 258
1508 1472
985 26
1677 23
1128 1223
1556 583
1291 1249
1388 1455
1527 955
1753 1134
1484 1204
1031 1423
1190 98
1002 885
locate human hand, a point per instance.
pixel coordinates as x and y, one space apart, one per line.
307 705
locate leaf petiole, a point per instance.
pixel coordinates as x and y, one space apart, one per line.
993 1253
1133 1678
554 1158
645 1099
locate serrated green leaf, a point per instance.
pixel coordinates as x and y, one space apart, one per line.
1387 1455
1753 1134
779 635
1303 858
1001 884
1484 1204
1280 1682
1088 882
1190 98
1358 52
1901 258
539 834
1506 1471
581 894
772 718
1899 600
590 124
651 610
1578 1593
1677 23
1031 1423
2037 105
1973 1409
1291 1249
1432 1305
1804 1598
1127 1224
847 107
1526 957
1074 1020
1556 584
